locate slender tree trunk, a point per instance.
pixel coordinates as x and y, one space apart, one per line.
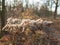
27 1
55 13
3 14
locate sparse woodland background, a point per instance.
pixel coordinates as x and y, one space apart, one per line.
33 10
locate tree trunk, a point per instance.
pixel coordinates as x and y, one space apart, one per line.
3 14
55 13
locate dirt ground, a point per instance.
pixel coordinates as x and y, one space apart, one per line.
50 35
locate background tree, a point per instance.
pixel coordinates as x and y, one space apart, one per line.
0 5
27 2
50 4
3 14
56 7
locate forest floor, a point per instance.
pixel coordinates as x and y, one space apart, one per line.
43 36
